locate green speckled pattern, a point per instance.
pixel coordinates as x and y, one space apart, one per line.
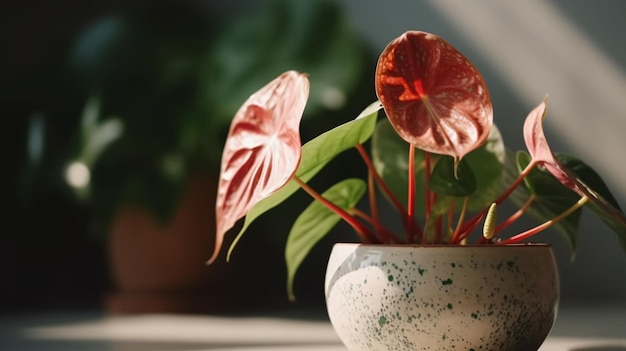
407 298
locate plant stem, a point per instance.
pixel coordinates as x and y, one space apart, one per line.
372 196
365 234
450 219
438 229
394 200
411 195
517 182
386 236
379 180
428 199
471 224
515 216
468 227
527 234
457 230
427 194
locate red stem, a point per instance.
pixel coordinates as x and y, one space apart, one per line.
372 196
467 228
459 224
375 219
517 182
515 216
438 229
411 195
386 236
427 194
365 234
471 224
379 180
426 180
545 225
394 200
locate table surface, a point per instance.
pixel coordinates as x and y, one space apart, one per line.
577 329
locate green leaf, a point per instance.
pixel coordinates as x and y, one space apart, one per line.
487 165
390 156
316 221
316 154
602 202
552 199
444 181
589 176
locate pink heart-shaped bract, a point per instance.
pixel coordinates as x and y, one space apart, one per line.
433 96
540 151
262 151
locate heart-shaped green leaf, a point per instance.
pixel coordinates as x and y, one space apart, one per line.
444 181
603 203
487 165
316 221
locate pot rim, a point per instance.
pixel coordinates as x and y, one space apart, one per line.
451 246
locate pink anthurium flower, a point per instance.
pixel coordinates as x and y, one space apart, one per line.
542 155
262 151
433 96
540 152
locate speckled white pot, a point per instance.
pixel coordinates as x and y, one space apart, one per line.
406 298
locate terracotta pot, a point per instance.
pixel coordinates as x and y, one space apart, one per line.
161 268
404 297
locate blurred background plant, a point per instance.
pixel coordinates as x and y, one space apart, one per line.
175 78
150 94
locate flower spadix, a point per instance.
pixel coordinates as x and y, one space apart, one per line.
262 151
433 96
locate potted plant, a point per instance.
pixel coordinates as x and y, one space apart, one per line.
441 162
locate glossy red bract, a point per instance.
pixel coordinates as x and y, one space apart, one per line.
433 96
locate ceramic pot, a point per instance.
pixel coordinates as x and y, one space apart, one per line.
405 297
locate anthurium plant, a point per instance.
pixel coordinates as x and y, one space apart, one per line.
437 158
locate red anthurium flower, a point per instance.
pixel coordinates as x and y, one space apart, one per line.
433 96
262 151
